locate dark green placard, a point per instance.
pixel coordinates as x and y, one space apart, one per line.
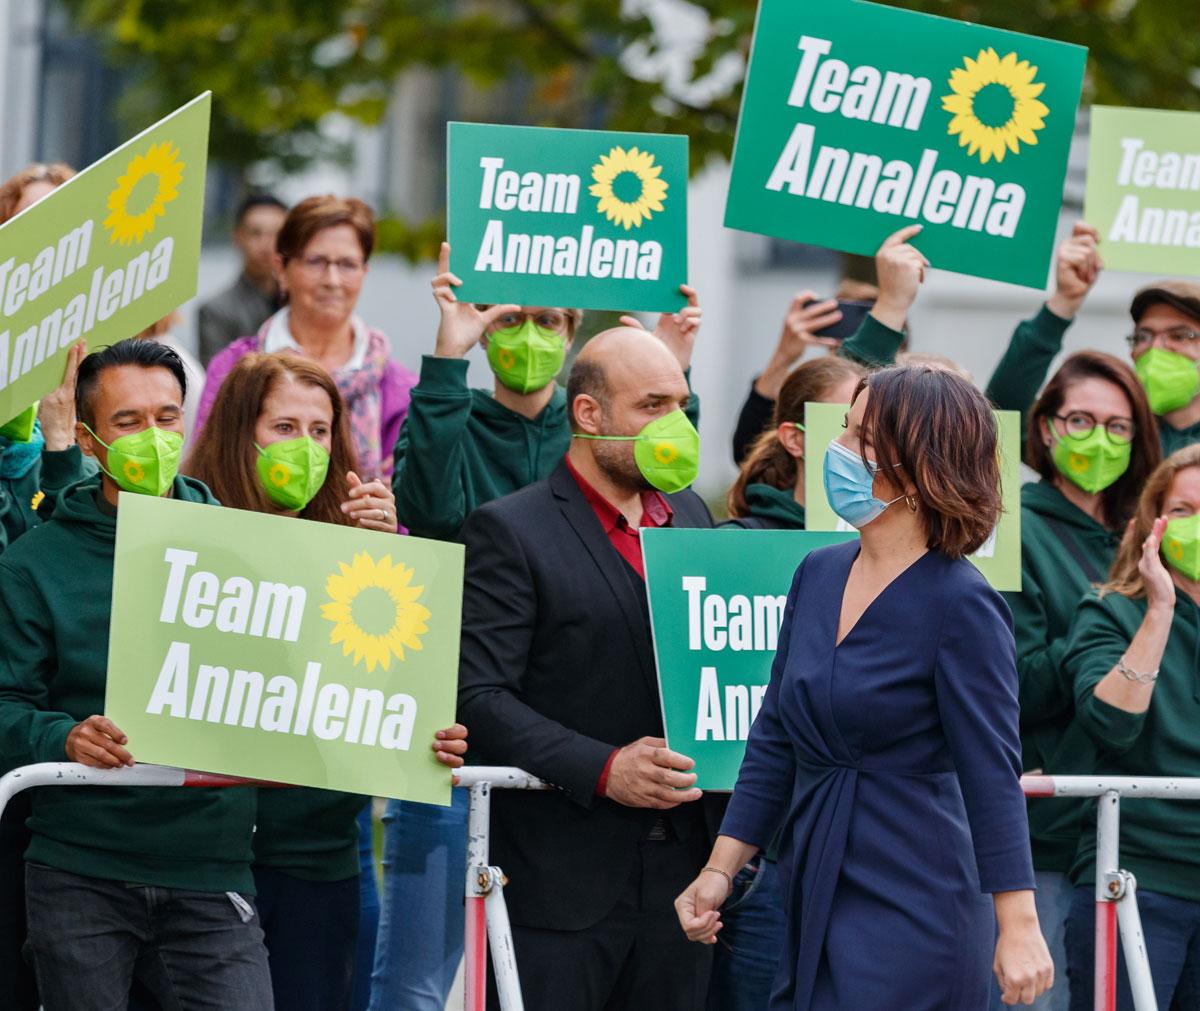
716 601
583 219
858 119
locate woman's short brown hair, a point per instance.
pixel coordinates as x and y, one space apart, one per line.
1120 497
940 433
1125 578
225 458
12 189
768 462
315 214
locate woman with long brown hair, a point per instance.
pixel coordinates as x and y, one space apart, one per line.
1134 661
1092 439
278 441
887 748
769 492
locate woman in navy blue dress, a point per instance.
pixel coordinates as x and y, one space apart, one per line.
887 746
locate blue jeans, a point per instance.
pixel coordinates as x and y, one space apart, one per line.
90 937
1172 929
368 921
1053 898
421 921
750 944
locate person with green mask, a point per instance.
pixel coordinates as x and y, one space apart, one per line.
1132 661
115 875
278 441
1092 439
458 449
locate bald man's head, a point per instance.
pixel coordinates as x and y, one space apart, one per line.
620 362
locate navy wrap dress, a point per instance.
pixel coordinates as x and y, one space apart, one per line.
891 762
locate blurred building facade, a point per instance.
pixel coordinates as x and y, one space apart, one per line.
55 95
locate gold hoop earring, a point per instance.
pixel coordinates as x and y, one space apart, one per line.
911 502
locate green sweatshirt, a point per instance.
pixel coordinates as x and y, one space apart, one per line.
54 471
1160 839
1052 584
777 506
460 448
308 833
1026 362
55 599
873 344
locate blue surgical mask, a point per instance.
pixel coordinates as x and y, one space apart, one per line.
849 487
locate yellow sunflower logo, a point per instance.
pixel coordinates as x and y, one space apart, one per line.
374 610
151 181
37 500
995 105
506 358
134 471
279 474
665 453
628 187
1078 463
1175 550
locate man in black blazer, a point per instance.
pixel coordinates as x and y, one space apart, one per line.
557 677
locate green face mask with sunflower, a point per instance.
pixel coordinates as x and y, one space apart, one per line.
1171 379
292 471
144 462
526 358
1093 462
666 451
1181 545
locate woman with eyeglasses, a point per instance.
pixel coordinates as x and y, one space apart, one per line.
321 259
1091 437
1133 660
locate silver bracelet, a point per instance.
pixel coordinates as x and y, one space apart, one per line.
1129 674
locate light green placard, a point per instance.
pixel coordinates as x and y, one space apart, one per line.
1143 189
584 219
281 649
102 257
999 559
858 119
716 602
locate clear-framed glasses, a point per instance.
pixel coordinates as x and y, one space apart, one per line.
548 319
1078 425
318 265
1172 336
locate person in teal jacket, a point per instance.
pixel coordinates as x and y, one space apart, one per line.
278 441
1164 344
116 875
1092 439
460 448
1134 660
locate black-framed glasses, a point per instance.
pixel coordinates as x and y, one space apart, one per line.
1078 425
1180 336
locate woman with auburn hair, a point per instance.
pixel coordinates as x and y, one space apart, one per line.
29 185
769 492
321 261
278 441
1092 438
886 749
1134 660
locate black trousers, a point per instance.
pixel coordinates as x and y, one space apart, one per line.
636 958
17 983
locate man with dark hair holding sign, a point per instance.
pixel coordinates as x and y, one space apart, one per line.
134 882
557 676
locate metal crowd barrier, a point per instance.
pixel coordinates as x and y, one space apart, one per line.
487 924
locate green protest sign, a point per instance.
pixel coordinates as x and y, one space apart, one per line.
281 649
858 119
716 604
583 219
1143 189
105 255
999 559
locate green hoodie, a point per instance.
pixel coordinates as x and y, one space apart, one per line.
771 508
460 448
1052 584
19 497
1160 839
308 833
55 600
